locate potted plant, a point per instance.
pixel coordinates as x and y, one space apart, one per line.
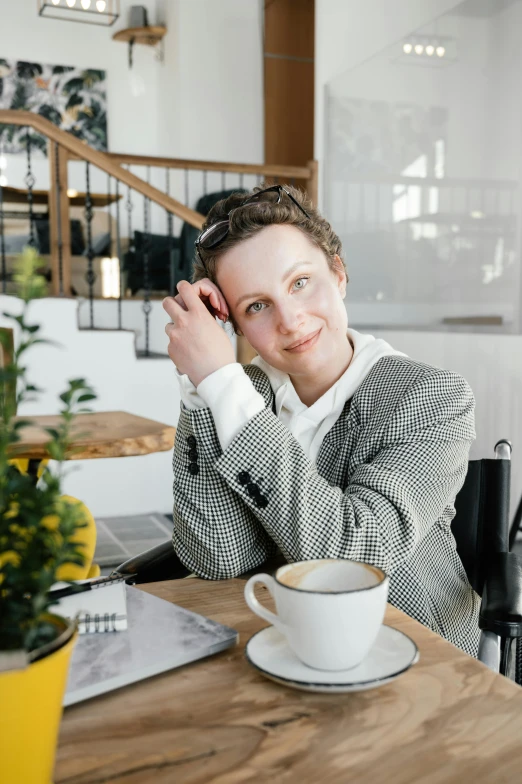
37 527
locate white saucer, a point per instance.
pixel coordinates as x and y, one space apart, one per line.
392 654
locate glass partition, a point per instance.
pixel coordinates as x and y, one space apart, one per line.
422 178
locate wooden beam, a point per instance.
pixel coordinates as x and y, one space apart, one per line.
59 222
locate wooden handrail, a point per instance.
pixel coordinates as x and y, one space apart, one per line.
307 173
102 161
268 170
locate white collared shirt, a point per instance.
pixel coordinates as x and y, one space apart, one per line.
233 400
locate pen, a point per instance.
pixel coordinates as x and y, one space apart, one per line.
71 590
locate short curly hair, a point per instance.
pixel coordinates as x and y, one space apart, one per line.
245 223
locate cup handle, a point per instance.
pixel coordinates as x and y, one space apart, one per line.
255 605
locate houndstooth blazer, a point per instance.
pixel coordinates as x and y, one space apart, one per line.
382 491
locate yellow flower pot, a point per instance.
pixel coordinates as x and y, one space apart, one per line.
30 712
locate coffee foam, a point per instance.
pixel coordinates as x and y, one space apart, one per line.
295 575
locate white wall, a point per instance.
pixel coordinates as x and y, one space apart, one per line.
211 84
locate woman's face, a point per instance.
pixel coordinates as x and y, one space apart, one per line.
281 292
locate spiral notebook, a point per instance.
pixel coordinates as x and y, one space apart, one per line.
100 610
161 636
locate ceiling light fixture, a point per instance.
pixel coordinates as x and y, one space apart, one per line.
100 12
427 46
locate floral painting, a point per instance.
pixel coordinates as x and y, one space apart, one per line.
74 99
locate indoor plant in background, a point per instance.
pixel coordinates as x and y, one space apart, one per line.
37 528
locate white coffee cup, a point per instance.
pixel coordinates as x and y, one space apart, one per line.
329 610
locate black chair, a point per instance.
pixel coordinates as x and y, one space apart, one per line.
483 537
163 253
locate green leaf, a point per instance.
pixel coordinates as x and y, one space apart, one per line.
21 423
84 398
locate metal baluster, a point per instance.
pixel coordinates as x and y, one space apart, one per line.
241 180
170 232
90 275
186 188
59 216
172 261
118 251
292 181
109 217
129 206
2 241
109 221
146 307
223 181
259 179
30 181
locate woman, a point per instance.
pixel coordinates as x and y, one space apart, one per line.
330 443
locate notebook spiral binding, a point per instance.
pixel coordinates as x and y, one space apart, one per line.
98 623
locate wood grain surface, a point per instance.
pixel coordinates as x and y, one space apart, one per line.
100 434
448 719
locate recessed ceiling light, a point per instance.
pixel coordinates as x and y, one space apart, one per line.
407 48
419 48
441 51
430 50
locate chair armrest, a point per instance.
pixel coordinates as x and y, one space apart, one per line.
157 563
501 607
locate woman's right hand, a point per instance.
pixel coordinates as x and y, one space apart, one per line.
211 297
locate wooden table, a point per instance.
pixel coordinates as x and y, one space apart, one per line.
100 434
448 719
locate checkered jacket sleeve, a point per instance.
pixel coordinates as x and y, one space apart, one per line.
398 479
215 533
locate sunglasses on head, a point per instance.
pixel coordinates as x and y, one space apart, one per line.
214 235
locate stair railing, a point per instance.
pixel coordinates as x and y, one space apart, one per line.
124 191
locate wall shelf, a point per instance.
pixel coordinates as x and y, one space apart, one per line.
150 35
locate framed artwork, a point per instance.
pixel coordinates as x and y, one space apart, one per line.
74 99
